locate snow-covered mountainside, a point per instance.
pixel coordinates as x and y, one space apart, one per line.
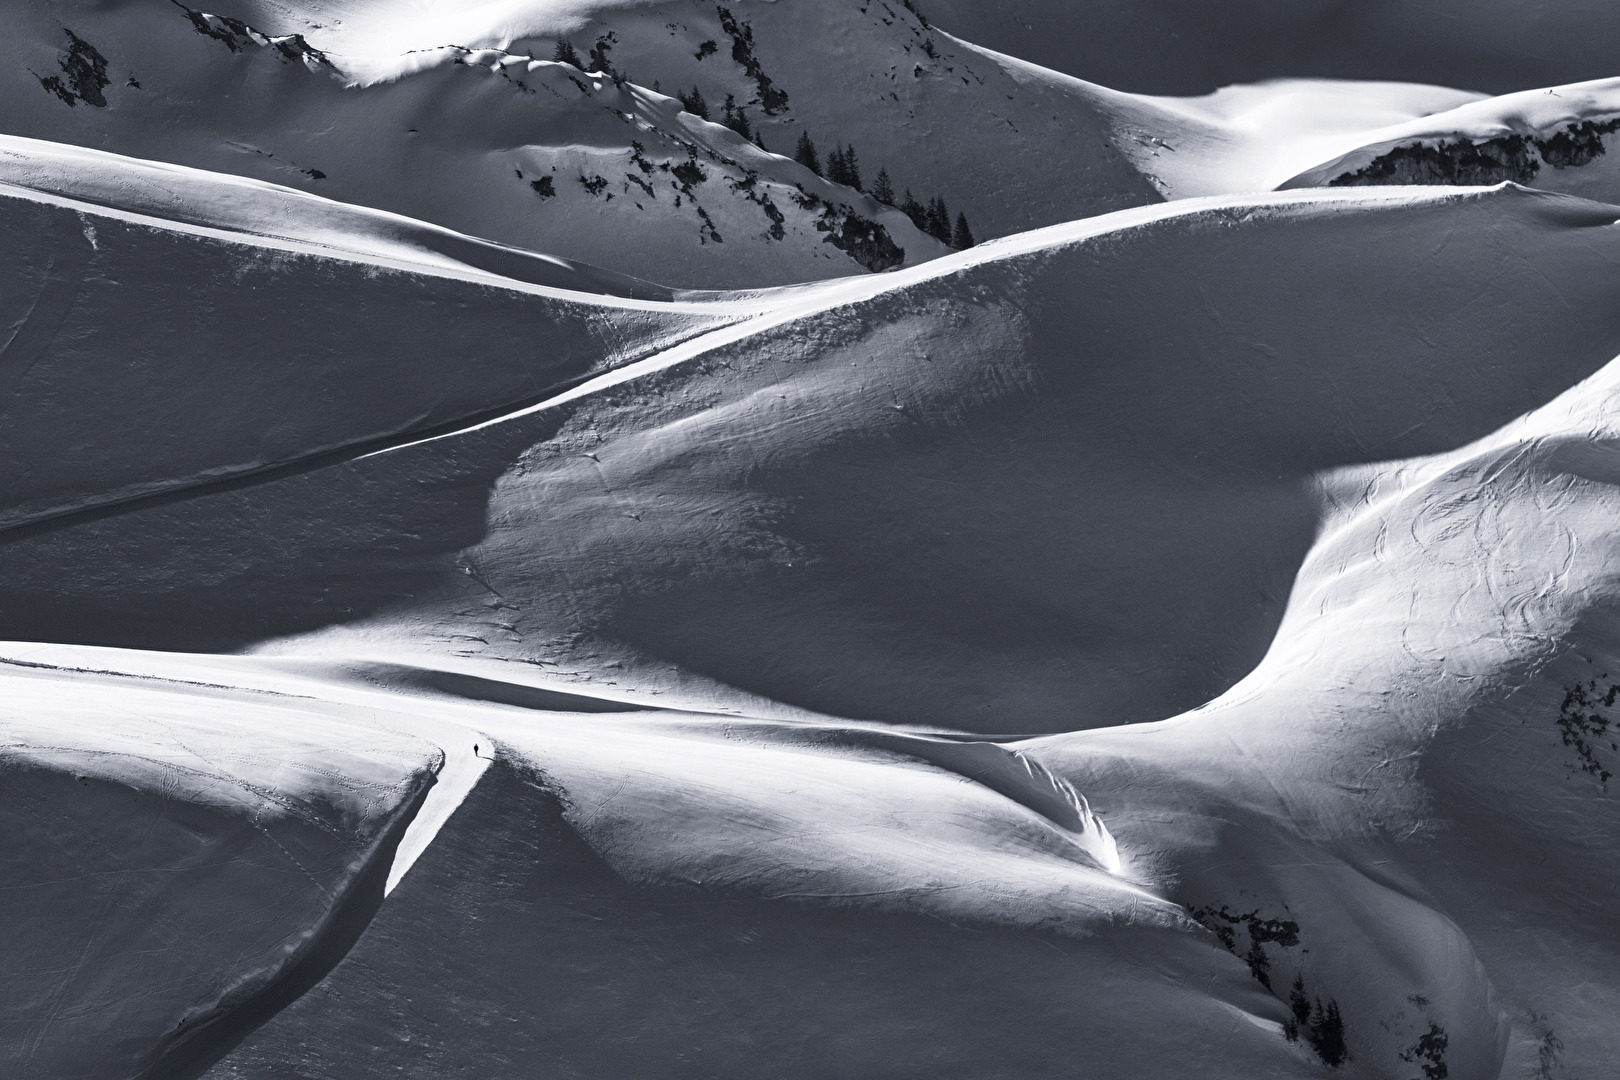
503 576
587 161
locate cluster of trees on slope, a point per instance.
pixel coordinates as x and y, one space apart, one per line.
844 167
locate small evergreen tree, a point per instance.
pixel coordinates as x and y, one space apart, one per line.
962 238
599 57
883 190
805 153
1299 1004
852 168
694 103
735 117
564 54
759 140
938 220
915 211
1327 1034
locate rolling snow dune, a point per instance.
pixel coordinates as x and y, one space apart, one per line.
1175 642
1384 809
671 983
960 495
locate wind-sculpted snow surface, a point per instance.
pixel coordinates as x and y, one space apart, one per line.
1175 642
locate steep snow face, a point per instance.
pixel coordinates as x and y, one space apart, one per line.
506 147
854 501
181 860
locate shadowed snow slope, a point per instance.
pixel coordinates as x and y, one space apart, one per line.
179 355
180 862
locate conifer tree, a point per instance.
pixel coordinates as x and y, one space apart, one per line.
694 103
939 220
805 153
962 238
835 164
735 117
564 54
1327 1034
1298 1003
915 211
852 168
883 190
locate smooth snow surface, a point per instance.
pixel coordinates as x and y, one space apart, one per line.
462 619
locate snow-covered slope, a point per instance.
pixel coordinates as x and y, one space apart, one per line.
1173 642
850 498
1390 833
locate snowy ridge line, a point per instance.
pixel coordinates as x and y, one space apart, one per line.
825 296
392 261
233 481
11 661
457 771
755 312
216 200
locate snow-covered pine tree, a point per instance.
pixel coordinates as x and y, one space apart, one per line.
805 153
962 238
